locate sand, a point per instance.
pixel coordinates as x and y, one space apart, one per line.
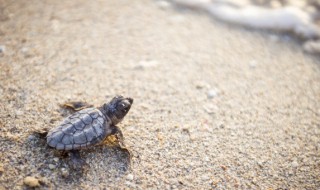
215 106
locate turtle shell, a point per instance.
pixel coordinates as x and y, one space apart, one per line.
82 129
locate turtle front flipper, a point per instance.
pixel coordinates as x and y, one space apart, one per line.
120 139
116 139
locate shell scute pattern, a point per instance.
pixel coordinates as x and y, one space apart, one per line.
80 139
94 115
87 119
67 139
79 130
97 129
69 129
58 136
80 126
101 120
90 134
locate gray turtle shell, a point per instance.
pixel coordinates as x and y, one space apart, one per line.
82 129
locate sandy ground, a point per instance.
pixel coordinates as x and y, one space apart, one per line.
214 106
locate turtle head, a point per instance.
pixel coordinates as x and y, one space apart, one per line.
117 108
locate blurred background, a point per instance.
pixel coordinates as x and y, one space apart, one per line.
224 98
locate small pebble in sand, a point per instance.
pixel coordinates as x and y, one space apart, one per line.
64 172
163 4
205 177
56 159
145 64
19 112
51 166
223 167
1 168
200 85
31 181
295 164
2 48
212 93
253 64
130 177
24 50
129 184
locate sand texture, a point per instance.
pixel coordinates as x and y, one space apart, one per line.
215 107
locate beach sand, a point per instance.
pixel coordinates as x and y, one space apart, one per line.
215 106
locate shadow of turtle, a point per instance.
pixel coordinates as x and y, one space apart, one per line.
109 161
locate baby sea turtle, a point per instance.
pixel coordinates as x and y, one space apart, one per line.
90 126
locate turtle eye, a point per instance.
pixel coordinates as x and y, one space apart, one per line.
122 106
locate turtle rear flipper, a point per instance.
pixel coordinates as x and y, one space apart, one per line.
76 105
73 106
42 133
76 162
